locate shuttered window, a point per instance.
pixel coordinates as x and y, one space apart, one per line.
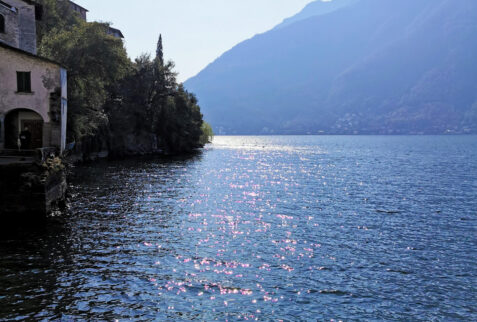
2 24
24 82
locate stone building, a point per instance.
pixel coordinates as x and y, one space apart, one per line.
83 14
18 24
115 32
79 9
33 90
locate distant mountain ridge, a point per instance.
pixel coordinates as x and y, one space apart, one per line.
354 67
316 8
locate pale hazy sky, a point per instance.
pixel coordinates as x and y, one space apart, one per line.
195 32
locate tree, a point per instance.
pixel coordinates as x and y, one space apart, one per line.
149 100
95 62
112 99
56 16
159 51
181 122
207 133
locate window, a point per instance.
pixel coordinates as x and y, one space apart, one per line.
2 24
38 12
24 82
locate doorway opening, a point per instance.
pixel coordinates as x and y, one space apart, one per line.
23 130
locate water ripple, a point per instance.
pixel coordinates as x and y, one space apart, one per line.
260 228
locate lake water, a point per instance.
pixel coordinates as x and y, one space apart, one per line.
267 228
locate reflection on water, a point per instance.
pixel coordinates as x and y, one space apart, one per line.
278 228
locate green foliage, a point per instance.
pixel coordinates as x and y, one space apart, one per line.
57 16
112 99
207 133
181 122
159 51
53 165
95 61
149 100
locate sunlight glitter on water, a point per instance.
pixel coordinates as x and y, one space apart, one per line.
265 143
366 228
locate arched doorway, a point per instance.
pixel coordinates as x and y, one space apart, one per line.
25 124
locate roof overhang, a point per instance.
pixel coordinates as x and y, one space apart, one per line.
26 53
116 31
78 5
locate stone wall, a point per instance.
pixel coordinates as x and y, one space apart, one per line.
20 25
11 36
29 190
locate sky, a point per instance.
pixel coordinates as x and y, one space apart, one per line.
195 32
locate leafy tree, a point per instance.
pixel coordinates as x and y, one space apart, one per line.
149 100
95 62
112 99
207 133
56 16
181 122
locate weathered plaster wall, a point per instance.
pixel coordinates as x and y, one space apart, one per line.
45 79
20 26
11 36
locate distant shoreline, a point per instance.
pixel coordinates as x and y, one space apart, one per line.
453 134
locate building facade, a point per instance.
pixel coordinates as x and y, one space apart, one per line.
115 32
79 9
18 24
82 12
33 90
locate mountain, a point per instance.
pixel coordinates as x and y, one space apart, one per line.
364 66
316 8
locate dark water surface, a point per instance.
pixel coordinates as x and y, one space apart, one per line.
267 228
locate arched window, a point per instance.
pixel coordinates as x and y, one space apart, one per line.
2 24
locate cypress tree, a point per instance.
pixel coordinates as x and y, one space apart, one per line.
159 52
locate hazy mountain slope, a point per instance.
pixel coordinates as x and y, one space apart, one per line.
316 8
377 66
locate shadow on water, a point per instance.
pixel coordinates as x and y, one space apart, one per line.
33 256
40 257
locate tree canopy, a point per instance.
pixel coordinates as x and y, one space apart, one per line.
112 99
